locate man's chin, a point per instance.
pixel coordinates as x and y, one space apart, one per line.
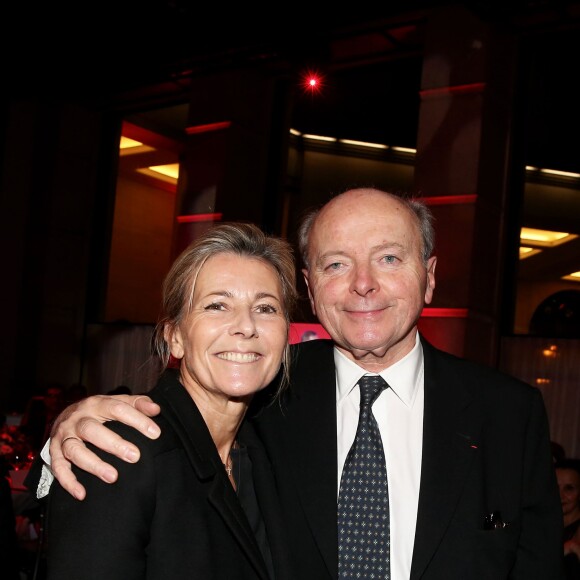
366 348
360 348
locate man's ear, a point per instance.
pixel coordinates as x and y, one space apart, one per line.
430 287
305 274
174 339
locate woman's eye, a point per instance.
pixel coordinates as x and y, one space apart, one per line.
214 306
267 309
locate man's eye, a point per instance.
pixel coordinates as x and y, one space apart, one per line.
390 259
334 266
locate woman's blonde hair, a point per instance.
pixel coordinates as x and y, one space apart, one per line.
240 239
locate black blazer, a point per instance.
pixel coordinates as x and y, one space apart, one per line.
486 448
173 514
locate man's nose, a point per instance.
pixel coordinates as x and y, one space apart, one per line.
364 280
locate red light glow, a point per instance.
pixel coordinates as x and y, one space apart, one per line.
312 82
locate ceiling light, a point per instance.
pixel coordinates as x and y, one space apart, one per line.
574 277
363 144
132 147
168 173
171 170
319 137
127 143
560 173
545 238
526 252
404 149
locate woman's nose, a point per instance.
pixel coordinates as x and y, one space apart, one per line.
244 323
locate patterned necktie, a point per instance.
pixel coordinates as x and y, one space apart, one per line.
363 500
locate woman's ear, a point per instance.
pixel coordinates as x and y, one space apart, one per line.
174 339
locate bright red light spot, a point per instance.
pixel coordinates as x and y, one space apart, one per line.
312 82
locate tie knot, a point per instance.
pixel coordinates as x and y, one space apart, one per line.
370 389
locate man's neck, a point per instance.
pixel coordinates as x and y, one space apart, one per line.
380 359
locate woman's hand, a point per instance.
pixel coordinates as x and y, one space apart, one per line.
83 421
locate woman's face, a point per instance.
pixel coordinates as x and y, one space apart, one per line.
569 485
233 338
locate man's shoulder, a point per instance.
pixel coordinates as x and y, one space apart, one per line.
482 376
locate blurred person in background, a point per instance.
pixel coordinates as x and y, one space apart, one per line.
40 413
568 475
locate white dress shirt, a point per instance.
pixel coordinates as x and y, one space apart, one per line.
399 414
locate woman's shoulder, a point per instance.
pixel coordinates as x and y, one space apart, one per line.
165 442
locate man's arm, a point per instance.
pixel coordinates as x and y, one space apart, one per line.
83 421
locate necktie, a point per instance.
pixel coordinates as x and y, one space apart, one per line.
363 499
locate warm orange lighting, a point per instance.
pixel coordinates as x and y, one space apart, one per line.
409 150
171 170
545 238
127 143
543 381
128 146
319 138
574 277
560 173
527 252
363 144
168 173
551 351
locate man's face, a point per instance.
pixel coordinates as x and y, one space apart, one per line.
367 280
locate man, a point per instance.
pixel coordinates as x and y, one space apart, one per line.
471 485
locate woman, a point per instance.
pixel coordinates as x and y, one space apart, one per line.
568 475
201 501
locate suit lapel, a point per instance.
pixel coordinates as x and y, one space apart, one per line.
450 435
310 420
183 415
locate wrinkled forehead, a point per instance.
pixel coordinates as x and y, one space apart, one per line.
367 221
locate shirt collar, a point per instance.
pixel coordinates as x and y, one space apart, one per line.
404 377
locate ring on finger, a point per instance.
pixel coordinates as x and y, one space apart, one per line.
67 438
135 400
